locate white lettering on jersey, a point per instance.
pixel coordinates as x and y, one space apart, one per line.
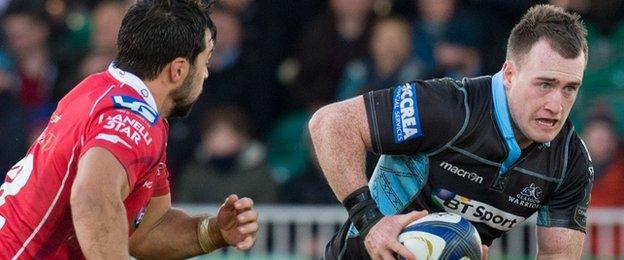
405 120
480 212
113 139
130 127
407 112
461 172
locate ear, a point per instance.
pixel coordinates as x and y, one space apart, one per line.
509 72
178 70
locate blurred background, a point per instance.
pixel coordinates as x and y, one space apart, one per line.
275 63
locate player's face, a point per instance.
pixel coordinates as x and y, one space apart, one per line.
541 92
185 96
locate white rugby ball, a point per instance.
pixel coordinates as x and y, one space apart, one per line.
442 236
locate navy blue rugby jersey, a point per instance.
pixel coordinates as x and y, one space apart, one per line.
448 145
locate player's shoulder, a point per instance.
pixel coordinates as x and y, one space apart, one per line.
104 94
577 159
441 83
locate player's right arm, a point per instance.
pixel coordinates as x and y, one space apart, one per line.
97 207
341 137
386 121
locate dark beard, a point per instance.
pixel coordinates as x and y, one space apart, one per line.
180 97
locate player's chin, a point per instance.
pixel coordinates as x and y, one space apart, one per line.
543 137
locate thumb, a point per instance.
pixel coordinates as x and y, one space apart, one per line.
227 213
229 201
408 218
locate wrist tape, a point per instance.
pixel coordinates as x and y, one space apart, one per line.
206 242
363 210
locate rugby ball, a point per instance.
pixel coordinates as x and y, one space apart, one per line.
442 236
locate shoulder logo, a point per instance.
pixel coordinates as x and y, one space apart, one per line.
529 197
137 106
405 117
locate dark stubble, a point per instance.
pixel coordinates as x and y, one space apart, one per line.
181 103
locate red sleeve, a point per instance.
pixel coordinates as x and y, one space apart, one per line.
162 178
125 135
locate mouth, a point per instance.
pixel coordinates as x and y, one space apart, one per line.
547 122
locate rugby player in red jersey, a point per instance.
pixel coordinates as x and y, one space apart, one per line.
94 185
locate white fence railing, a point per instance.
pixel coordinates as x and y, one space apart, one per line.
301 232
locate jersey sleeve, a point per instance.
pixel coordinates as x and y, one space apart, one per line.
162 178
125 135
415 117
567 207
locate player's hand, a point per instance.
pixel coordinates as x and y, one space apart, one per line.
381 241
238 222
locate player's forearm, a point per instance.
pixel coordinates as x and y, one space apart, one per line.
339 133
101 226
173 237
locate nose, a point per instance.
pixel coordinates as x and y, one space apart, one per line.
554 102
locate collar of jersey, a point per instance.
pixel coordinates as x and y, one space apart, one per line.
503 120
134 82
501 113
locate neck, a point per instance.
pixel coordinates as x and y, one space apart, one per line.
164 104
521 139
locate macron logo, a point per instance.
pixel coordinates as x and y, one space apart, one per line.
405 119
461 172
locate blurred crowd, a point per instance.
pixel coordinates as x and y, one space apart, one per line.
277 61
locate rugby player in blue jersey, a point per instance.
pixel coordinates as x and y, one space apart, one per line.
494 149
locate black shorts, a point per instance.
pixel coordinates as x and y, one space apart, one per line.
354 249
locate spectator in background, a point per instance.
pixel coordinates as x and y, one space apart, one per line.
13 138
605 67
227 160
230 83
446 39
106 19
607 153
27 33
328 43
390 61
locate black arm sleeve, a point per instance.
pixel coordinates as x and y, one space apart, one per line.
416 117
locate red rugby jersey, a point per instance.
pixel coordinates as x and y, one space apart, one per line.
113 110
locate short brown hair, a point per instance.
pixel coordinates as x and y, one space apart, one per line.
564 31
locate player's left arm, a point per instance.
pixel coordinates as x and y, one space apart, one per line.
169 233
559 243
562 220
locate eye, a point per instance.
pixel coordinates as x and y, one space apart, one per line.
545 85
570 88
